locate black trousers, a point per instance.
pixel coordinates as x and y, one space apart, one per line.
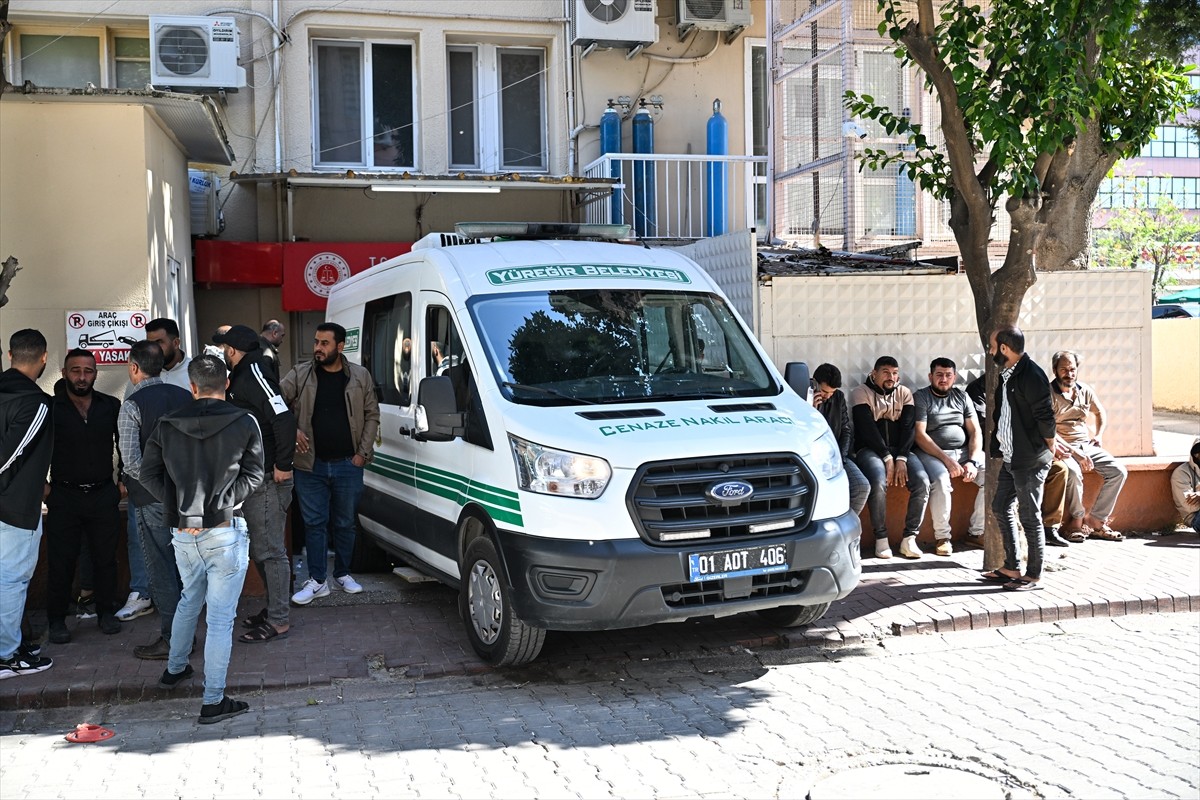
73 516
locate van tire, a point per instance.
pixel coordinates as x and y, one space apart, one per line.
794 616
485 602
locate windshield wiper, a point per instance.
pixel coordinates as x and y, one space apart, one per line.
545 391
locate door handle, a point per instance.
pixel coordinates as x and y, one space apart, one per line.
405 431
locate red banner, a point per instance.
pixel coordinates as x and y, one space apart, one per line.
310 269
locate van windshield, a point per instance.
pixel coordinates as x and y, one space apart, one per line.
616 345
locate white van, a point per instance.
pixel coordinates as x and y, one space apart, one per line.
583 435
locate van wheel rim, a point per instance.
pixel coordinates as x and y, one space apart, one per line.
485 602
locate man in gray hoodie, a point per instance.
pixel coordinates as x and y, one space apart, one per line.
1185 488
202 462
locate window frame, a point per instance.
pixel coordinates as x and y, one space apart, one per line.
365 47
105 34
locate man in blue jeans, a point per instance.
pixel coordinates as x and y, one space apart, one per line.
337 416
202 462
1023 435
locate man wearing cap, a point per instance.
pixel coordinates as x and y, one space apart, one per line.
254 388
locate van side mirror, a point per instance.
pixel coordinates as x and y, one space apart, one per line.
796 374
438 418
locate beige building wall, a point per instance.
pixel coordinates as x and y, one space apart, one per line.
1177 364
86 206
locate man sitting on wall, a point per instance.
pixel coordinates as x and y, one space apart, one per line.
831 402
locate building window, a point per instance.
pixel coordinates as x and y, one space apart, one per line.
1146 191
497 108
364 105
1172 141
73 60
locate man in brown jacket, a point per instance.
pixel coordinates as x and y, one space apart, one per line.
337 416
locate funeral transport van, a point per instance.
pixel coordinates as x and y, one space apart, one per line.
583 435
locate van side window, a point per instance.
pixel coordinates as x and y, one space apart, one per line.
387 347
446 356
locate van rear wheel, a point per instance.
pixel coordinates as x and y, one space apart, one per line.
794 616
496 633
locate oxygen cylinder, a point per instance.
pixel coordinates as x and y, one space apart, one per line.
610 142
906 197
714 173
645 200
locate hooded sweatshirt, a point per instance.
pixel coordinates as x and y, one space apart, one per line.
202 462
26 443
1186 478
884 421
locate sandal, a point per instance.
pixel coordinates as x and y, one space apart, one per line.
262 633
996 576
1074 537
1107 534
1022 585
255 620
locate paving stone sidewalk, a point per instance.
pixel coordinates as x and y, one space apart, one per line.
414 630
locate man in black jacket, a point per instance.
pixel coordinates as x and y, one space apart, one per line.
202 462
255 389
26 442
828 398
1023 435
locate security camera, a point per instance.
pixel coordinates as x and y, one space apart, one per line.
854 130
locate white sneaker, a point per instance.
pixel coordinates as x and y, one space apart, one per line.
882 549
310 590
136 606
348 584
908 547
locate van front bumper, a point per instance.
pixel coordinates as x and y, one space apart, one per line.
562 584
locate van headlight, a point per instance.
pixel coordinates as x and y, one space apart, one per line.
549 471
825 457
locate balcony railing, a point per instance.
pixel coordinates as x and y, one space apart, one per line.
679 196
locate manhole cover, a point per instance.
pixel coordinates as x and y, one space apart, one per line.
907 782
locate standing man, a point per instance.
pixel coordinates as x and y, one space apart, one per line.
269 342
202 462
884 432
150 399
1023 435
338 415
165 332
82 501
252 387
949 445
26 443
831 402
1074 402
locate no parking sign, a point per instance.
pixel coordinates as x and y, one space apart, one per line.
108 335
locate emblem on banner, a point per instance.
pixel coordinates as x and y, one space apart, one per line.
324 270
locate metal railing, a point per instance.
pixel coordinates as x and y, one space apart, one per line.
679 196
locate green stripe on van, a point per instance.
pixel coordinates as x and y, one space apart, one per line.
504 505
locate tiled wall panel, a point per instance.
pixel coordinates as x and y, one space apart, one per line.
849 321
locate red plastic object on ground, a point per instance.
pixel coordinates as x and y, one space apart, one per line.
85 732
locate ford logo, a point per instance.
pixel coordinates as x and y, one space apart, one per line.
729 493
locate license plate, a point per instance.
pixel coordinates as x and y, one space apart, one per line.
736 563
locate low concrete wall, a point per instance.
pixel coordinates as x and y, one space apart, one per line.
1176 365
1144 505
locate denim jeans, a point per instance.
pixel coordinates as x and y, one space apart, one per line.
860 488
873 469
266 515
1021 488
213 565
138 580
18 557
165 585
940 489
328 498
1107 467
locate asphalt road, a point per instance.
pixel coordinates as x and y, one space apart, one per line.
1085 708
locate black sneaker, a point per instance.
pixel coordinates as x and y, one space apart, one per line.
170 680
109 624
30 647
20 663
85 606
58 632
215 712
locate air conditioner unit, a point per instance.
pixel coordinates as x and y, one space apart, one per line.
714 15
195 52
202 196
613 23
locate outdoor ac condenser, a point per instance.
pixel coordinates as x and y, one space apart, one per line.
732 16
195 53
613 23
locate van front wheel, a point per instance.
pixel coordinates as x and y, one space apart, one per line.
794 616
496 633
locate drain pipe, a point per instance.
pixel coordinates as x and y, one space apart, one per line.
569 63
278 86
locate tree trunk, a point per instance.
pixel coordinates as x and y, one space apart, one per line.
1070 190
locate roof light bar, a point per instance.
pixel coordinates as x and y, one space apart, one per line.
540 230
